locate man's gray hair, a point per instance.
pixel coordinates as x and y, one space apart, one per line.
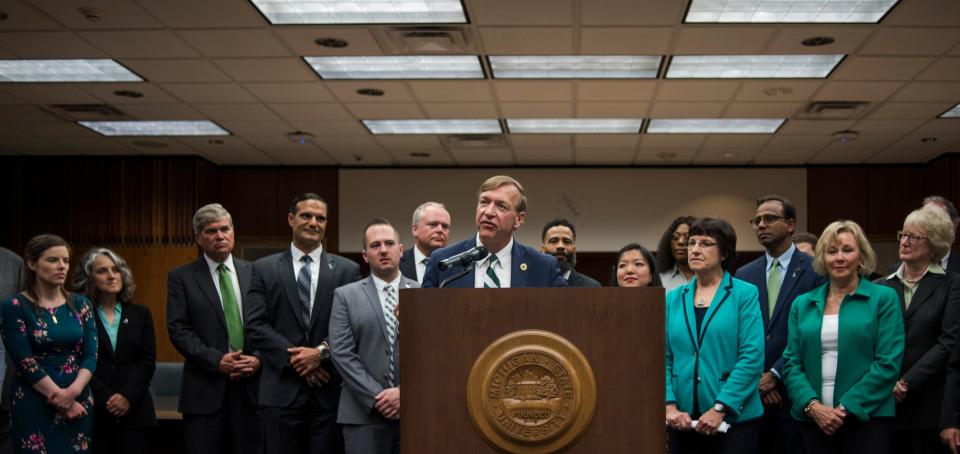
418 213
207 214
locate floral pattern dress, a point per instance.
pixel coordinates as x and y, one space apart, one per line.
54 343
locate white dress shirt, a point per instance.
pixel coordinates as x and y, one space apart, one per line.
418 260
784 260
314 268
502 269
212 265
672 278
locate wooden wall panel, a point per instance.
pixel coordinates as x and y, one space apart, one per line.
893 192
250 195
836 193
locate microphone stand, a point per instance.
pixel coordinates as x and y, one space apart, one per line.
466 270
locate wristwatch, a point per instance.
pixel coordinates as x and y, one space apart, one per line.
719 408
323 351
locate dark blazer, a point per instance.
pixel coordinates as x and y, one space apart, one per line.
198 330
529 268
274 323
127 370
581 280
950 411
408 268
930 328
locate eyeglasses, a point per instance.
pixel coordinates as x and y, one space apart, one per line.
766 218
680 236
911 238
700 244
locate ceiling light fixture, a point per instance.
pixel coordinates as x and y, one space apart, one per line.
334 43
817 41
300 137
128 94
846 136
370 92
419 154
788 11
576 67
575 125
433 126
929 140
400 67
155 128
65 70
778 91
361 12
817 66
952 113
714 125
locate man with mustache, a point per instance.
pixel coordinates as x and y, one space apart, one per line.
431 228
501 210
560 240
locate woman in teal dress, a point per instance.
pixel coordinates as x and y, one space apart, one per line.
51 337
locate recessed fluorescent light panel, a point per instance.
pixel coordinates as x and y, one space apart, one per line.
714 125
433 126
752 66
576 67
412 67
952 113
362 11
575 125
156 128
72 70
788 11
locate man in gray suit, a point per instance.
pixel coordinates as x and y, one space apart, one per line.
363 342
11 271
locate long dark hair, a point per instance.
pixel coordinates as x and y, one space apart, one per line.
647 257
665 260
32 253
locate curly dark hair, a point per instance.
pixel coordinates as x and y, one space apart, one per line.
665 260
722 232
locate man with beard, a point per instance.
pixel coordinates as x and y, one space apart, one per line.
782 274
672 254
560 240
431 228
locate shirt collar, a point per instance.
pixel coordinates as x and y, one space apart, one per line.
934 268
784 258
298 254
504 255
212 265
418 256
381 284
944 261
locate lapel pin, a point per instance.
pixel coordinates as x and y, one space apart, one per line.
794 275
126 320
523 267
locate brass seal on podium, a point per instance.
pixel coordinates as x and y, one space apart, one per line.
531 391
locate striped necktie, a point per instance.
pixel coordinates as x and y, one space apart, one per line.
490 279
393 328
304 282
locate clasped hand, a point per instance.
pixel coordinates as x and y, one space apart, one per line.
388 403
306 361
828 419
237 365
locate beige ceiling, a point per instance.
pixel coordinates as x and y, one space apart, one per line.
221 60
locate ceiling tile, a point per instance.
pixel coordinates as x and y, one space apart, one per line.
55 93
483 157
880 68
528 12
229 151
460 110
387 110
686 109
744 142
240 112
236 43
778 90
606 141
316 111
795 156
48 45
210 93
544 157
9 99
527 41
205 14
696 90
99 145
939 127
722 158
631 12
346 91
32 146
192 70
355 150
537 109
328 128
24 113
604 156
436 158
911 149
911 110
615 90
886 127
625 41
783 144
110 14
302 40
427 91
152 94
814 127
247 128
267 69
722 39
762 109
311 92
541 142
853 152
856 91
163 112
533 90
929 91
925 13
63 129
289 153
24 17
946 68
911 41
790 40
611 109
410 142
140 44
671 141
671 156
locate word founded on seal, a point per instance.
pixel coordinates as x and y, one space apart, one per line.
531 391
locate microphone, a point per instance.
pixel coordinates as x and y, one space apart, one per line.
464 258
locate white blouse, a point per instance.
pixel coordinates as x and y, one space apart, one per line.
828 356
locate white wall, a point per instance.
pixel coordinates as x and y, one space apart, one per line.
610 207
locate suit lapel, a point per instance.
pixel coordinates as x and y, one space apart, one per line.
723 291
102 332
925 288
953 263
201 273
370 289
764 300
285 271
794 274
324 277
898 287
518 267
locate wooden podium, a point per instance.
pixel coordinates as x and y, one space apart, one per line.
619 331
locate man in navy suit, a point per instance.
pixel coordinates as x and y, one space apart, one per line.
431 228
501 209
781 274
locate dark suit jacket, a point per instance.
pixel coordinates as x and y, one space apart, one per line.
408 268
930 328
128 369
581 280
540 270
198 330
274 323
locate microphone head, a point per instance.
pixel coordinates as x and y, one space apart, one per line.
482 252
442 265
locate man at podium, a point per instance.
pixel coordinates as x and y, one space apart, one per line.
502 263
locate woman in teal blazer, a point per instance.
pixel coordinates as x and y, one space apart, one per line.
714 350
844 349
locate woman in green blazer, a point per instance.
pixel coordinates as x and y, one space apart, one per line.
844 349
714 350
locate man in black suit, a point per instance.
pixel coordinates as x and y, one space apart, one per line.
205 300
291 295
431 228
560 240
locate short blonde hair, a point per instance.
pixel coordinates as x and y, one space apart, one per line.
868 258
937 225
503 180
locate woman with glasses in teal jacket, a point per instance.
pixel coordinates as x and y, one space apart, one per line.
714 350
844 349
